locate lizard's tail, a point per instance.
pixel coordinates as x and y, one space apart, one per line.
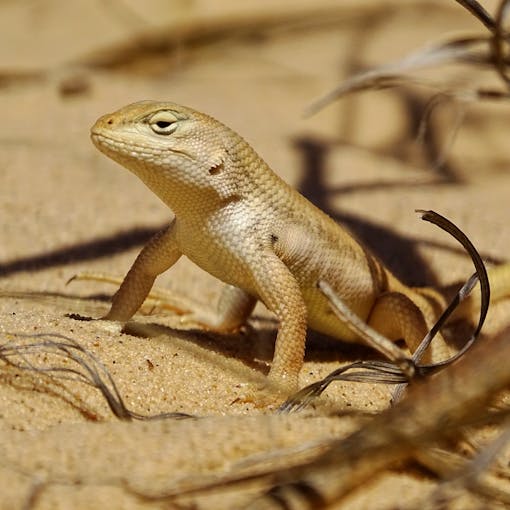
499 279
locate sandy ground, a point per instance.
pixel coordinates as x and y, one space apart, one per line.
68 209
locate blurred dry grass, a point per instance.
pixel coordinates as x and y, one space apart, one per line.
435 136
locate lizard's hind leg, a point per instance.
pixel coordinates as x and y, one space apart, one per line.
397 317
234 307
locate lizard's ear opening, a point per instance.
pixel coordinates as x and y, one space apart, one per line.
215 162
219 179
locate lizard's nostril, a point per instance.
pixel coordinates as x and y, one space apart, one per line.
109 121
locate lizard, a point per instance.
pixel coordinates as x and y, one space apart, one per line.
238 220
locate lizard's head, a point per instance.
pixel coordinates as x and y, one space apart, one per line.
158 140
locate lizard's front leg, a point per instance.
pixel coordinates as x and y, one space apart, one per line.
160 253
279 290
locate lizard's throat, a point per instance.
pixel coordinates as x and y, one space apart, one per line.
181 195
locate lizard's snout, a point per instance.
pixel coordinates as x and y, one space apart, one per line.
105 122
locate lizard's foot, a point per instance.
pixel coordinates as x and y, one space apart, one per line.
287 381
261 396
115 327
268 392
106 324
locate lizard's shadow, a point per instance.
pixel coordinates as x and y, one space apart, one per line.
254 347
398 253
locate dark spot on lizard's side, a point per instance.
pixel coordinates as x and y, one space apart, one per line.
274 238
216 169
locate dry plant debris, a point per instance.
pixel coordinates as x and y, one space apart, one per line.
427 427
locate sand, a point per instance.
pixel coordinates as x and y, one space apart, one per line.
67 209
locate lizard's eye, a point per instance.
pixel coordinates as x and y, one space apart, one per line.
163 123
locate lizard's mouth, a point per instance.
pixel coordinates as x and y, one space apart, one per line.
95 137
103 142
100 140
112 147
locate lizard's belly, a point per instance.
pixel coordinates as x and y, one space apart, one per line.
220 260
322 318
226 245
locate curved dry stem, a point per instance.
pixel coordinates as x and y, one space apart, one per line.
87 368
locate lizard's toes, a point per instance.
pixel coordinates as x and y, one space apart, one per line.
104 324
264 394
